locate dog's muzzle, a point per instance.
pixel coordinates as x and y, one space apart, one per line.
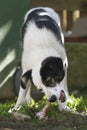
53 98
62 97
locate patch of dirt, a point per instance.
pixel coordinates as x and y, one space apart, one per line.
67 122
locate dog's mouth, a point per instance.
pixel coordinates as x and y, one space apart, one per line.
62 97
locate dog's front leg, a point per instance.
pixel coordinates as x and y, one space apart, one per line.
62 106
20 100
19 103
62 101
23 88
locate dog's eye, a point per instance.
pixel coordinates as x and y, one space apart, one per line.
50 81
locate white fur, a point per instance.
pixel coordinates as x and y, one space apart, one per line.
50 12
38 45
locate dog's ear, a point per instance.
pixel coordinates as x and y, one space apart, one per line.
25 77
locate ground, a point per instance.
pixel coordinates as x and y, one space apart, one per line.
70 122
75 120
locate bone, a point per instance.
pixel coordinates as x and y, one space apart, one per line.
42 113
46 107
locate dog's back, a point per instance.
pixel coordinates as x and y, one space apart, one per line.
43 17
41 30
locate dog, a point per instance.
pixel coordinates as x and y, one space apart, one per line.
44 59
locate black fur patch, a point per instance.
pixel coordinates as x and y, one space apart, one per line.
42 21
52 71
25 78
32 16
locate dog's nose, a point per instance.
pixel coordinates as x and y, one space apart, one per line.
53 98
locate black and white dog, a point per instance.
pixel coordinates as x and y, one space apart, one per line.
44 59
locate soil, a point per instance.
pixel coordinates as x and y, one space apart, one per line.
71 122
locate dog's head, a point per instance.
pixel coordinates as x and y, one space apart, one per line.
52 71
49 77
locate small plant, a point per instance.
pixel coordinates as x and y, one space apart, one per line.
78 103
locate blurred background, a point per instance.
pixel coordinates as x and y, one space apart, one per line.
73 15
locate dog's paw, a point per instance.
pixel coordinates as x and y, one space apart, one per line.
64 108
40 115
10 110
14 109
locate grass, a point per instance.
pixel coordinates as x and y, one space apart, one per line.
77 119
